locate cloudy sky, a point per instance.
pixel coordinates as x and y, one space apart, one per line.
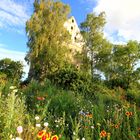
122 16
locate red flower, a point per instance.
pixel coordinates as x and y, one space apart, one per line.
41 133
40 98
55 137
46 136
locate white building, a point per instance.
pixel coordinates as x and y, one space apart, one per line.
76 37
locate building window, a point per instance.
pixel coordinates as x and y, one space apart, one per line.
75 38
71 27
72 20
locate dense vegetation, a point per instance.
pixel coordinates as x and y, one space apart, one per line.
98 100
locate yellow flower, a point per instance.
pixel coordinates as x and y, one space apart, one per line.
108 136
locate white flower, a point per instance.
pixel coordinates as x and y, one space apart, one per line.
18 138
36 118
15 90
38 125
12 87
92 127
73 133
19 129
57 125
83 139
46 124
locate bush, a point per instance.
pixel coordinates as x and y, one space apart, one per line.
133 96
70 78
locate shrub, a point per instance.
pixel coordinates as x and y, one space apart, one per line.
133 96
70 78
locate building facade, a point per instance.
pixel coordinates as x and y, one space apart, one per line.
76 43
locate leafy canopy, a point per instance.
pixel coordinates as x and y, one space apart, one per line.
46 37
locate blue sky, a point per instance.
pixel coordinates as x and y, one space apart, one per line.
13 16
122 16
13 36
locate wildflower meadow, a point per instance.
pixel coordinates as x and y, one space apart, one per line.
40 112
80 76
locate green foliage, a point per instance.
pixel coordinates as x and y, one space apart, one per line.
68 114
92 31
64 102
35 95
3 80
47 50
10 70
70 78
118 63
133 95
122 70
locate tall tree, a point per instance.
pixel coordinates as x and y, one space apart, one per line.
92 30
47 38
123 68
103 58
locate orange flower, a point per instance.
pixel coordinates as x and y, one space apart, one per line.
116 126
40 98
128 114
89 116
139 129
103 133
41 133
55 137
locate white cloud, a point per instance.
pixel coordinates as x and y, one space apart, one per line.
2 45
13 14
16 56
123 18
